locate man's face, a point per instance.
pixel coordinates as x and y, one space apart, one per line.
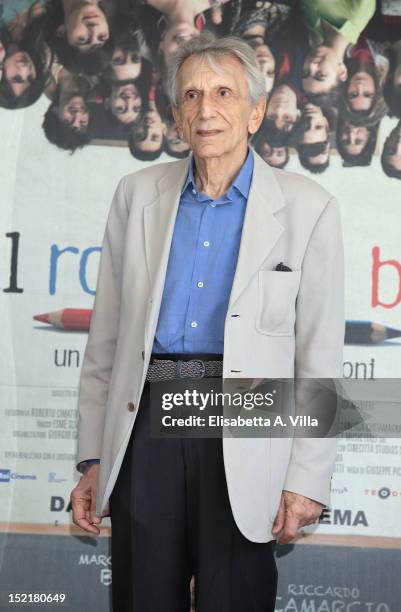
392 147
149 135
322 70
86 27
19 71
75 114
274 156
126 65
318 126
282 108
214 112
267 65
125 103
354 138
361 91
176 144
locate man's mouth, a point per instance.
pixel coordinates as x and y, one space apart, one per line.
208 132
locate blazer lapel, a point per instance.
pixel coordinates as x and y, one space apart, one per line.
261 229
159 220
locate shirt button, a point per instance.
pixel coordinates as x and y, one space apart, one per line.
206 243
200 284
131 407
213 205
194 324
194 191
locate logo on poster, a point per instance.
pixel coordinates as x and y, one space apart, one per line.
7 475
383 493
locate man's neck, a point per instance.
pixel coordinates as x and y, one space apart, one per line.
214 175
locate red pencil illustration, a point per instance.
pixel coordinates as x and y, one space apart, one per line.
71 319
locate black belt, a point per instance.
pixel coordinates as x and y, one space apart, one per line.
171 366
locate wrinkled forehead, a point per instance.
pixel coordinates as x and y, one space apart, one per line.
211 71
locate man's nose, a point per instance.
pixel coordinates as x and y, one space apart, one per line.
206 106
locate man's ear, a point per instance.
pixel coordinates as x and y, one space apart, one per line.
60 31
257 115
342 72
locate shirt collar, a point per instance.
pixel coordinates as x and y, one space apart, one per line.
242 181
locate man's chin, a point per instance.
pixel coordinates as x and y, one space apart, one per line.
208 149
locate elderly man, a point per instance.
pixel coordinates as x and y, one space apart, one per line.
230 268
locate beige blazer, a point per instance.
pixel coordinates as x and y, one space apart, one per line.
290 323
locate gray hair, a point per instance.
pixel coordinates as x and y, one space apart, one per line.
207 46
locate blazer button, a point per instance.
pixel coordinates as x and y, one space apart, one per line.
131 406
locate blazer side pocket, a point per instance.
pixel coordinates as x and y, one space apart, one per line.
277 294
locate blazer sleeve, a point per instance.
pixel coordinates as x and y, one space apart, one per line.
320 327
100 348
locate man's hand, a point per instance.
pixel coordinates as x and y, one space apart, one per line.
294 512
83 499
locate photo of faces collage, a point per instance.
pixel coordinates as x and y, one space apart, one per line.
332 71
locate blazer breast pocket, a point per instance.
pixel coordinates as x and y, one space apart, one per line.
277 294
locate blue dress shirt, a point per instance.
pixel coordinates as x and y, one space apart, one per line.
202 261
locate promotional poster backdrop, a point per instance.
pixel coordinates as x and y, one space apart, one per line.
81 108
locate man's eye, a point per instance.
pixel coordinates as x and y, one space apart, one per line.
117 61
224 93
191 96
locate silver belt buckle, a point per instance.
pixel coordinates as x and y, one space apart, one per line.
180 362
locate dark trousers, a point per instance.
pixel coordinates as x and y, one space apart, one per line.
171 519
